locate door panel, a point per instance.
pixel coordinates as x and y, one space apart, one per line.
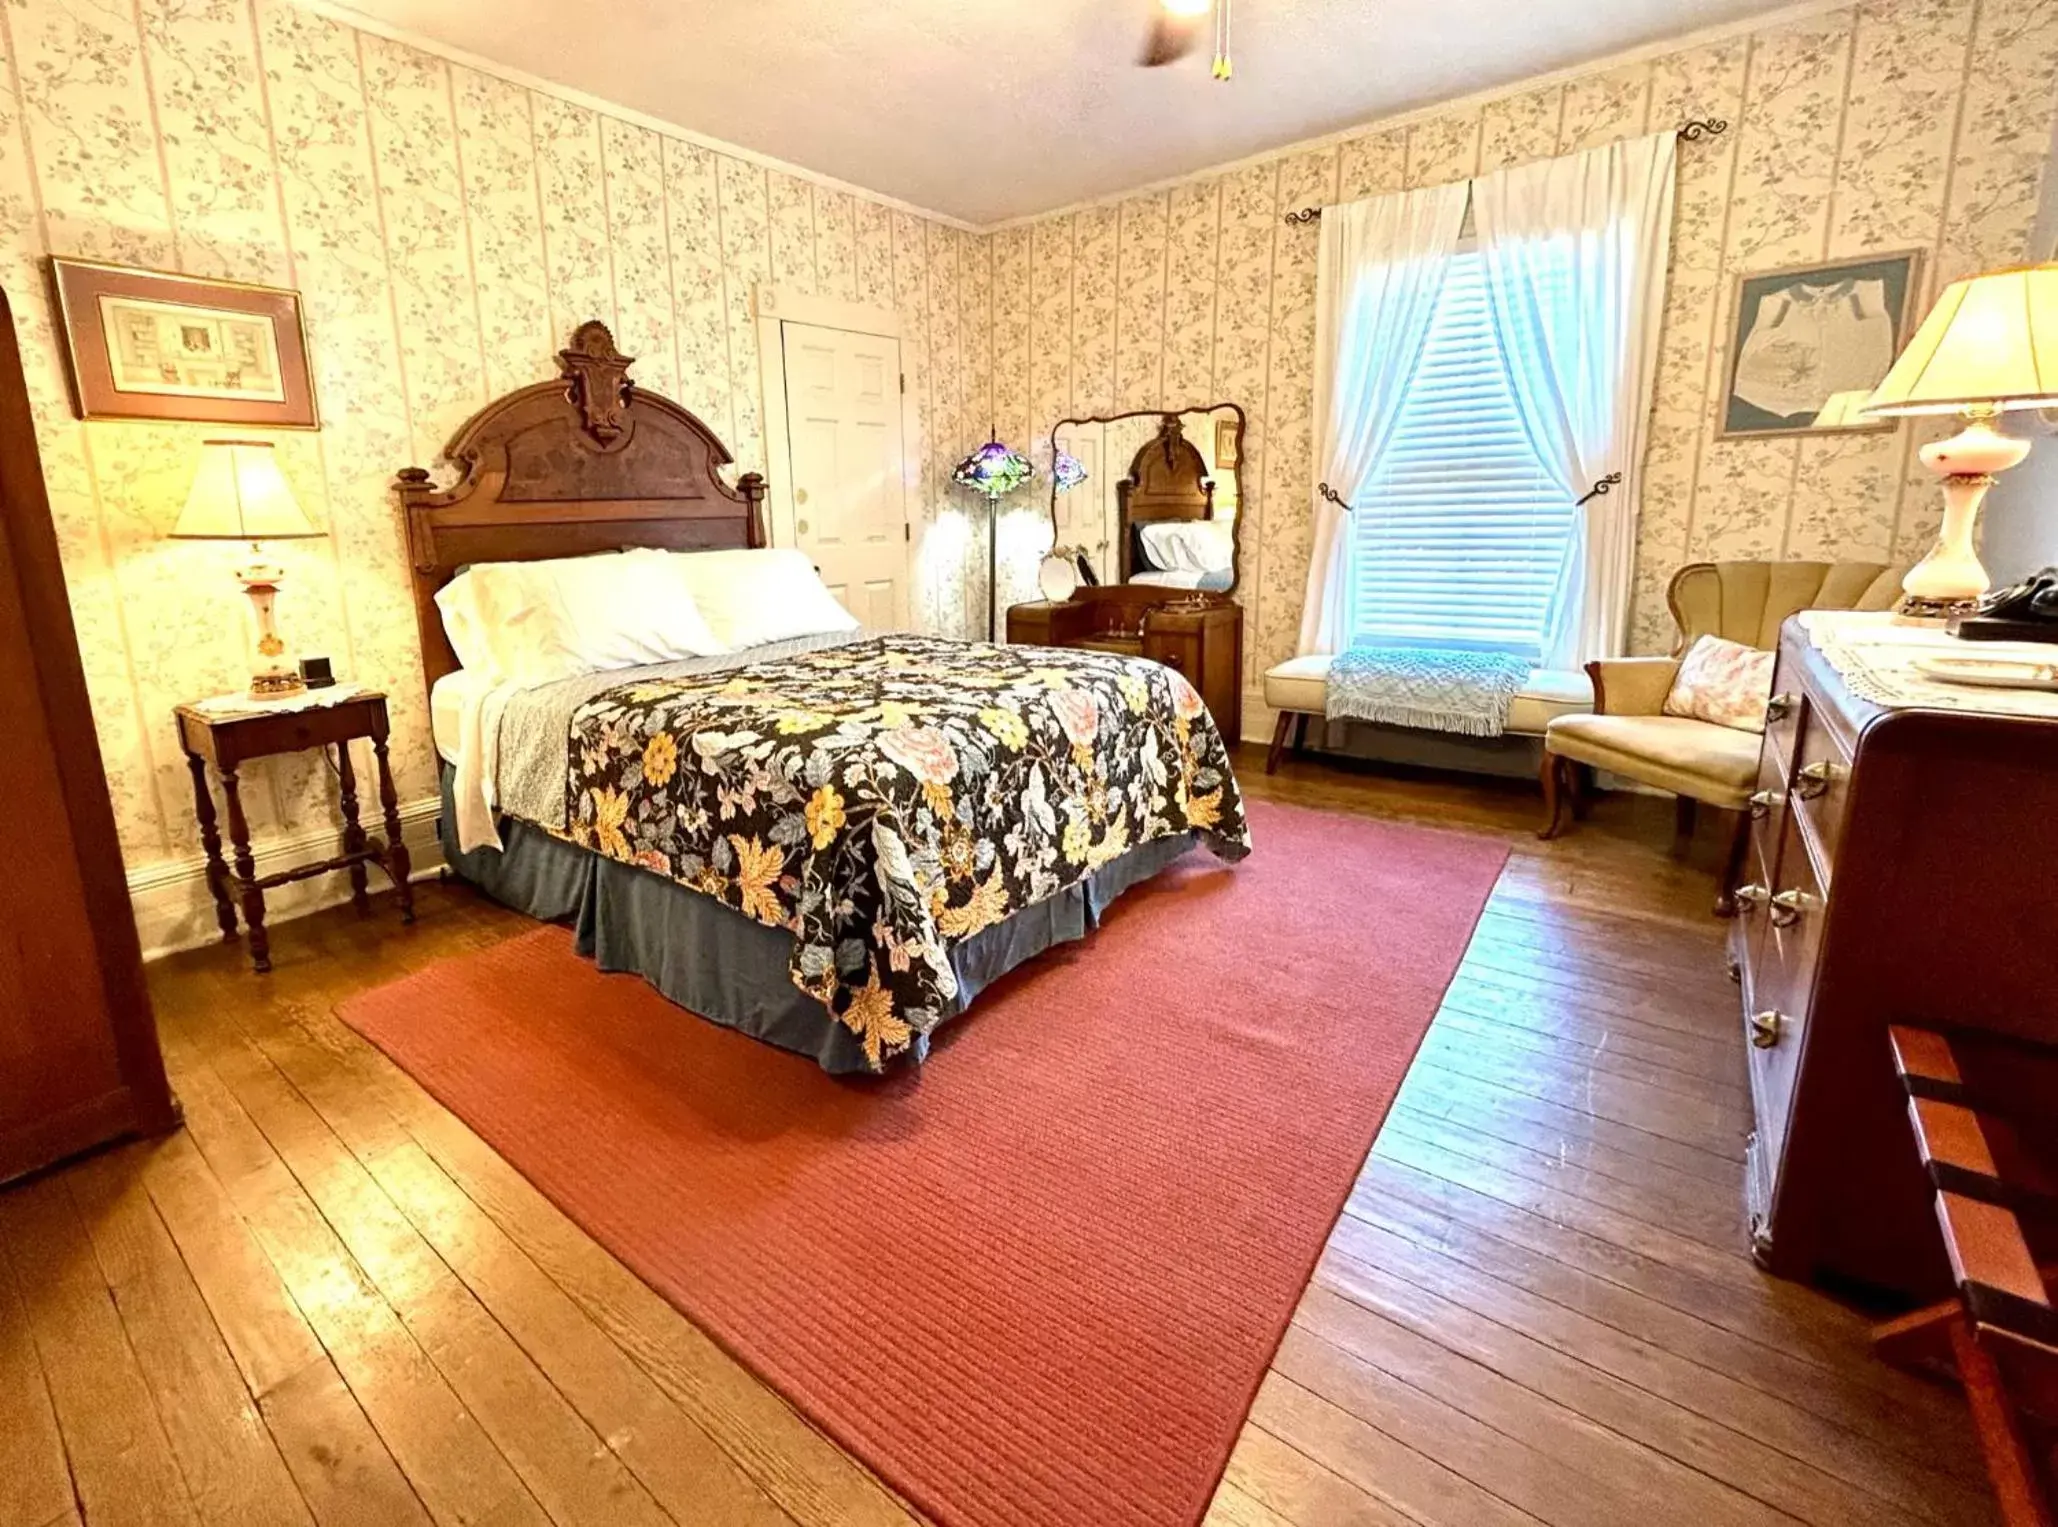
847 466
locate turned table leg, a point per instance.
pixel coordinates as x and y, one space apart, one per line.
397 864
246 874
353 833
211 845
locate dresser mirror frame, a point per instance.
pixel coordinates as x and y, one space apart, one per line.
1118 548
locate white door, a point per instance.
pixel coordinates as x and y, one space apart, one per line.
846 464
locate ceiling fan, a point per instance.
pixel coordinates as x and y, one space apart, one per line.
1176 26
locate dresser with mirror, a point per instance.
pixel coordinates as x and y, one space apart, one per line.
1146 555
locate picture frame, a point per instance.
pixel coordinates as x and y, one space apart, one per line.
155 345
1807 342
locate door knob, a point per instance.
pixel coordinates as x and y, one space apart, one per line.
1752 897
800 528
800 495
1767 1029
1777 708
1764 803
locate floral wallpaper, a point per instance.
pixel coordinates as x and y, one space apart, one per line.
446 229
1892 124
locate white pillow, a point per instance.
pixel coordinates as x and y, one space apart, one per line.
1189 546
1724 682
530 622
753 597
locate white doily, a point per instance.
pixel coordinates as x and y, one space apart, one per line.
1875 656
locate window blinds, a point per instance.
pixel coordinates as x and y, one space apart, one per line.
1461 535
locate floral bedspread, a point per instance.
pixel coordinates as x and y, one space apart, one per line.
884 799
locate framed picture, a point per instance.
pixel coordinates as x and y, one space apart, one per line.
147 344
1808 343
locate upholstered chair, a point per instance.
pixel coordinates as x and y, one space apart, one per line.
1629 734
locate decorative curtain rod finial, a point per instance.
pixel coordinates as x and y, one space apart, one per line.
1600 488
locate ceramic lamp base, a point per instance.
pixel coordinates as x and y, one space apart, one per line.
1920 610
271 686
1950 580
274 676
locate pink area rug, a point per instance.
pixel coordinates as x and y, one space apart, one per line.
1038 1280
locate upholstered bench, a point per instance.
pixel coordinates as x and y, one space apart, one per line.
1299 688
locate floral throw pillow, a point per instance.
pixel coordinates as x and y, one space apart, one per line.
1723 682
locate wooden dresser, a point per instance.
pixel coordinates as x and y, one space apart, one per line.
1903 868
1202 638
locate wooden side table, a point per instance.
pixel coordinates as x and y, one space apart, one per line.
228 742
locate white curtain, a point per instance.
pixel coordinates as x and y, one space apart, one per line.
1381 268
1575 252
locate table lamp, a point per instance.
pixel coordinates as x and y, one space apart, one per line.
1989 345
239 494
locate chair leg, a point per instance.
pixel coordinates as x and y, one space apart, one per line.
1733 866
1685 815
1281 730
1300 733
1585 785
1555 777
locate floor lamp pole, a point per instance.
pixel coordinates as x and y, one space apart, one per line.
992 567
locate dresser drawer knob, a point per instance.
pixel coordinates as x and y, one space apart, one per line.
1752 897
1767 1029
1779 707
1816 778
1787 907
1763 804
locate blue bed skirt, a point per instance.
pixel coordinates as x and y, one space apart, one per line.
714 961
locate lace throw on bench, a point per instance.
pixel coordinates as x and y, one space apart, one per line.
1426 687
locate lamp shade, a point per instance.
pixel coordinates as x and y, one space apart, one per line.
1990 342
239 494
995 470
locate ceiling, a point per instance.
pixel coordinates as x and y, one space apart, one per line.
992 109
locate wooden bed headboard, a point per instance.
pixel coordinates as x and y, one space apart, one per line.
588 462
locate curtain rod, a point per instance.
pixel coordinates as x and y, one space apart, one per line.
1691 132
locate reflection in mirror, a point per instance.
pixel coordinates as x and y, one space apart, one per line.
1151 497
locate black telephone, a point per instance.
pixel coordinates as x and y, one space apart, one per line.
2025 612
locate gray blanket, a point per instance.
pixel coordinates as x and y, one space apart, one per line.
1427 687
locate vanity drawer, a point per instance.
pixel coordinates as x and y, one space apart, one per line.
1175 649
1780 985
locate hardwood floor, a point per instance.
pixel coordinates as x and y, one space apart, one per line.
326 1301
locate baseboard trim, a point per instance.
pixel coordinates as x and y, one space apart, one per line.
174 909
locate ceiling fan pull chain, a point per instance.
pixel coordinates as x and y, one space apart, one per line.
1222 68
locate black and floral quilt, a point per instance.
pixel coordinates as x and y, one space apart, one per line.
884 799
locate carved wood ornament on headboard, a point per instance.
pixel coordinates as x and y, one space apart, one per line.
588 462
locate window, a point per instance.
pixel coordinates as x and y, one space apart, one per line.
1461 535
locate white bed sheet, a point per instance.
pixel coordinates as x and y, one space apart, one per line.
448 697
464 720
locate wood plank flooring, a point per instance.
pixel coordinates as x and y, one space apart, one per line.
325 1301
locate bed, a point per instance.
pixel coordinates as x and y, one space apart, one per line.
832 840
